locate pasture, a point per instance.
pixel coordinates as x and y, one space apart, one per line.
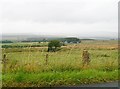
26 66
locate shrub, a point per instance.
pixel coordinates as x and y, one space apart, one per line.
54 45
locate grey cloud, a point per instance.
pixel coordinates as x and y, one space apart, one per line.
82 11
66 17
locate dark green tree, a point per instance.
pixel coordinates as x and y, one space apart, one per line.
53 45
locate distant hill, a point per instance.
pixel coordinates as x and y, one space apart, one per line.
26 37
34 37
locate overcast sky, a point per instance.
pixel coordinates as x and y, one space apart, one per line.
60 17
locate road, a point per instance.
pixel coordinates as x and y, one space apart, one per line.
110 84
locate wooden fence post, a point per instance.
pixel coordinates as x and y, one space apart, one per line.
46 59
86 58
4 62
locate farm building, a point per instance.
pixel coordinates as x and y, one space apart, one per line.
71 40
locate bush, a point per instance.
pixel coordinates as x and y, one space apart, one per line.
54 45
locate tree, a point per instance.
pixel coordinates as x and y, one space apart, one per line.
53 45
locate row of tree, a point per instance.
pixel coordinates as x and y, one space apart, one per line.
6 41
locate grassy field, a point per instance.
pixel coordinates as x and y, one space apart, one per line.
27 67
23 44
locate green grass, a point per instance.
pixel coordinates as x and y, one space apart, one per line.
45 79
26 66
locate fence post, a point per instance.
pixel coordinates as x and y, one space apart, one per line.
46 59
86 58
4 63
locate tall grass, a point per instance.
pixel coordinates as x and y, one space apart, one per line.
28 66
